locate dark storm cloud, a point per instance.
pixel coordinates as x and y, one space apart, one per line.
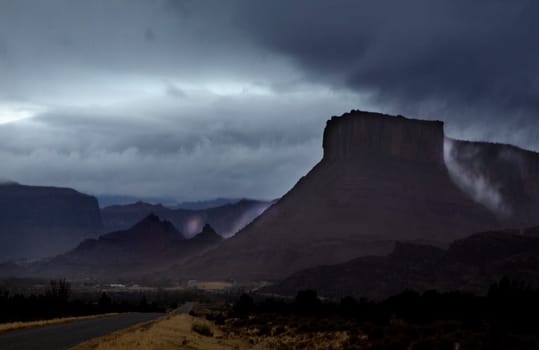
469 61
197 99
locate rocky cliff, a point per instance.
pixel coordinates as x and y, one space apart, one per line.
43 221
357 135
382 179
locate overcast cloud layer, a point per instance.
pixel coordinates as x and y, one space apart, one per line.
195 100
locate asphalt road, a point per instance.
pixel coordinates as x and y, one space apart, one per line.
185 308
65 335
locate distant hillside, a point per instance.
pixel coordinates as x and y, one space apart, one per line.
227 219
150 245
470 264
106 200
43 221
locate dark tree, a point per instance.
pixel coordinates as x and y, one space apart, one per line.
307 301
244 306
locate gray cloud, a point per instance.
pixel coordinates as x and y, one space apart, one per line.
465 62
232 147
203 99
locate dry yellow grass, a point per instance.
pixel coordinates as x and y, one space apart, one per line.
168 332
4 327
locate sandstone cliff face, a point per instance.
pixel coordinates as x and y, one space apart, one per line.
42 221
351 137
382 179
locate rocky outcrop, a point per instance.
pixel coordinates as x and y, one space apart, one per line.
382 179
43 221
359 134
471 264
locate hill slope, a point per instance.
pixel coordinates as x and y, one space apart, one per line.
471 264
151 244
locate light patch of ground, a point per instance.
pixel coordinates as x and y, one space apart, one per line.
168 332
4 327
211 285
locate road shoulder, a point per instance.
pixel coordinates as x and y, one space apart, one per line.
173 331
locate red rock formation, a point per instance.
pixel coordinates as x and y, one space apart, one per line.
382 179
362 134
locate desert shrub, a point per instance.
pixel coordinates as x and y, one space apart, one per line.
264 331
278 330
434 343
217 318
240 323
202 329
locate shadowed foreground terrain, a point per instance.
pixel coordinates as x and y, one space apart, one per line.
505 318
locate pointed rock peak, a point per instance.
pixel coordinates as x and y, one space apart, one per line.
207 233
151 218
207 229
153 221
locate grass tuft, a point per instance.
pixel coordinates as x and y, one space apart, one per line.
202 329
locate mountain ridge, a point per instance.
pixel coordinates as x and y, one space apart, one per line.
150 245
226 219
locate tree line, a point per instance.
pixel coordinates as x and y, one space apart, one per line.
59 301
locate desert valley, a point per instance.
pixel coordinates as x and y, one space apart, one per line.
272 175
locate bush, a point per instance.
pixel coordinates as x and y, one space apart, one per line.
278 330
307 302
202 329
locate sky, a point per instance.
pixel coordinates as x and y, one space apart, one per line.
203 99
